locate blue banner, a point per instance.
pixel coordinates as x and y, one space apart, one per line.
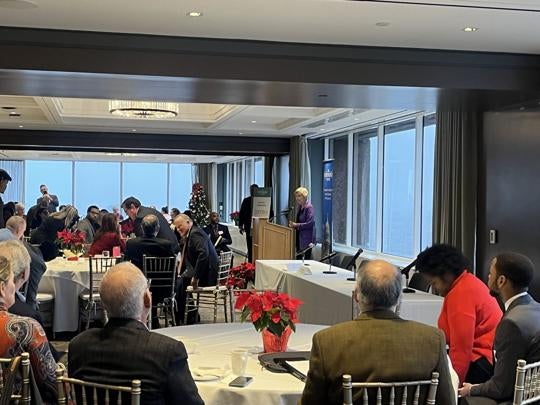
328 188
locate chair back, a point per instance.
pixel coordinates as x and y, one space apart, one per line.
98 268
10 370
225 258
224 268
419 282
162 272
394 393
527 388
73 391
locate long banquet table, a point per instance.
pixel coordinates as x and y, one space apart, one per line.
328 297
65 280
210 346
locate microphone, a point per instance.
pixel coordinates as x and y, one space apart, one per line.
329 256
280 213
406 270
287 210
352 264
304 251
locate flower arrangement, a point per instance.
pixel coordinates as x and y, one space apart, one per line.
71 241
235 216
241 275
275 312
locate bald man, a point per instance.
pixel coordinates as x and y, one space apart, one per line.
126 350
377 346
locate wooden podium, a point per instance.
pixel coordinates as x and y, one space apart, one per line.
272 241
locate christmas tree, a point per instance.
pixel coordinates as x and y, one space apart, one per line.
198 205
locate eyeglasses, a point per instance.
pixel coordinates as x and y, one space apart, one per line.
94 212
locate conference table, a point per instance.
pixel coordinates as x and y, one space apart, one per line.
328 297
209 347
66 280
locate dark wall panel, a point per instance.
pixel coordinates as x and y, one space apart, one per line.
316 157
509 191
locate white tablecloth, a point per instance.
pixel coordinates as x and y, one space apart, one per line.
328 297
215 343
65 280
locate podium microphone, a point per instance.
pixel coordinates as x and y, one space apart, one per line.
406 270
304 251
352 264
280 213
329 256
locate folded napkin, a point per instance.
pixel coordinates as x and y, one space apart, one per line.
208 373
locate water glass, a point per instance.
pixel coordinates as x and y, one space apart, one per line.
105 253
239 360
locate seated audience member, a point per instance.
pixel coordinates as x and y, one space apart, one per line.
469 314
174 213
377 346
14 230
20 334
8 210
116 211
518 334
165 213
55 222
200 262
127 228
89 224
108 236
148 244
34 217
216 230
137 212
19 210
125 349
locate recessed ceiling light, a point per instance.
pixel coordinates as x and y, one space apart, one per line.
470 29
382 24
240 133
18 4
521 108
21 126
253 122
9 108
113 154
357 119
322 129
194 14
133 130
14 114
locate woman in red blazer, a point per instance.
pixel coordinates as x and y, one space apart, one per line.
107 236
469 315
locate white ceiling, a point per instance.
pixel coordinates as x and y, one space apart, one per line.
310 21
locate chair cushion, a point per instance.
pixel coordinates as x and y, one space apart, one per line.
207 289
44 297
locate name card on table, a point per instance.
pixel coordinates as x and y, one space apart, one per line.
304 270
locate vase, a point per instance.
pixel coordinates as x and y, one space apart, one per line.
273 343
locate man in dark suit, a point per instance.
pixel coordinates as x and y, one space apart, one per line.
244 219
377 346
148 244
126 350
199 260
5 178
50 200
134 210
518 334
218 232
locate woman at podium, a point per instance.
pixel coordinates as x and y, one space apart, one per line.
305 221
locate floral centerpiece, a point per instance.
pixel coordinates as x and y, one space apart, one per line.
71 242
240 276
235 216
273 314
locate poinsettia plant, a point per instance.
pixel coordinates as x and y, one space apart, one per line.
235 215
72 240
270 310
241 275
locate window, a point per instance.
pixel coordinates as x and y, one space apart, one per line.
383 190
259 172
398 190
57 175
365 189
147 182
179 186
340 152
97 183
428 174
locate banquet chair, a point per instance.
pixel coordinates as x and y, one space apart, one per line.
90 302
74 391
419 282
161 272
10 369
212 296
392 393
527 387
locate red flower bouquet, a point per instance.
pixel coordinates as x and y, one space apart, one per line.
71 241
269 310
241 275
235 215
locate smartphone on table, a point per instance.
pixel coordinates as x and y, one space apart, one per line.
240 382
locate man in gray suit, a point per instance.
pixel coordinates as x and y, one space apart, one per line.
517 335
377 346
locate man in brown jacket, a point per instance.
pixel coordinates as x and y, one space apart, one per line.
377 346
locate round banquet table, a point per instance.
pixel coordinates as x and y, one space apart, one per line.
209 346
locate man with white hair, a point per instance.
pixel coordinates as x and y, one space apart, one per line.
378 346
126 350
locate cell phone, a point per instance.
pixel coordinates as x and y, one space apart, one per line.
240 382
